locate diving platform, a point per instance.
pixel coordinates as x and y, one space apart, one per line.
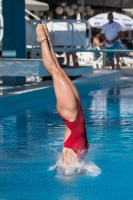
34 67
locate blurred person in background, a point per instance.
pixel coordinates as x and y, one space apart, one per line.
74 57
97 41
111 33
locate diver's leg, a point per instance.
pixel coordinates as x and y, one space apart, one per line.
66 99
57 63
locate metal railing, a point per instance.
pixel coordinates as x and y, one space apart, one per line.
71 47
101 50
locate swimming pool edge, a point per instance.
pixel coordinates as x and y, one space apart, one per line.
16 102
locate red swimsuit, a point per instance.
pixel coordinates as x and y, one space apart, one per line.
77 141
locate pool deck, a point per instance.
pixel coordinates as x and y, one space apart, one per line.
96 76
38 93
128 71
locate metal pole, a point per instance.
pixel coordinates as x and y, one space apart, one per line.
83 5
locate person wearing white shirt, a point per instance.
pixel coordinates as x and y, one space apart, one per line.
111 33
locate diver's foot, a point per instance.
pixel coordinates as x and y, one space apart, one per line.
47 34
50 44
41 36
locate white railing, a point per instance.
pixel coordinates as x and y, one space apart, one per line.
31 14
66 35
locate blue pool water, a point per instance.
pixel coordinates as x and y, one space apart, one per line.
30 143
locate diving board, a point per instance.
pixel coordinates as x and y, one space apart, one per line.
34 67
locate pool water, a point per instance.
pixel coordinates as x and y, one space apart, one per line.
31 141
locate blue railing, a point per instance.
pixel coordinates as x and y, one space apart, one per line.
70 22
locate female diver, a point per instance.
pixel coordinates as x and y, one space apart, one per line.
68 102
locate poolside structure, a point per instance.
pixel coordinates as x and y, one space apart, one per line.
13 96
11 43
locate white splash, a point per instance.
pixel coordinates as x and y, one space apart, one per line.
78 168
